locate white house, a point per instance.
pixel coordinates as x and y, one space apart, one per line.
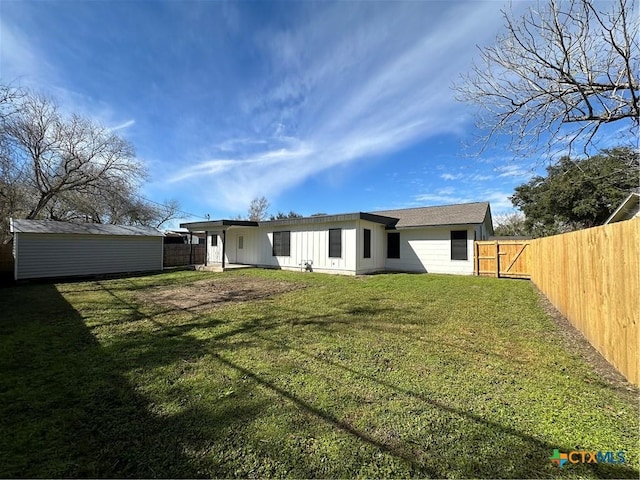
428 239
628 209
49 249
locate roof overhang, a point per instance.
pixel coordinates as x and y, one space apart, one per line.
438 225
345 217
626 208
216 225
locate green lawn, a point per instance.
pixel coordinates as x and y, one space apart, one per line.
378 376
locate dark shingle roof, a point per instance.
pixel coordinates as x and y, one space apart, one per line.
464 213
51 226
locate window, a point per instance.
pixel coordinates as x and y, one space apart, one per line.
240 242
393 245
281 244
214 240
458 245
335 242
367 244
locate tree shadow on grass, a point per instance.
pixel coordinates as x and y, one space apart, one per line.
462 441
66 409
469 444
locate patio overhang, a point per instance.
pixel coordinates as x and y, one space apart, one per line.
216 225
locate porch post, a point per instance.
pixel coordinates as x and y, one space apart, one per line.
224 245
190 248
206 247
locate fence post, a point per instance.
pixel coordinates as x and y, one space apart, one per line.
476 263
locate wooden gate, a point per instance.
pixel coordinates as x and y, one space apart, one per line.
502 258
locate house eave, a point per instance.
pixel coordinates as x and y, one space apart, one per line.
629 204
435 225
216 224
343 217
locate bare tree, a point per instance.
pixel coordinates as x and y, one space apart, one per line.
58 155
258 209
559 73
510 224
67 167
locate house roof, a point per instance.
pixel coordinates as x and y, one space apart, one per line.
627 209
51 226
459 214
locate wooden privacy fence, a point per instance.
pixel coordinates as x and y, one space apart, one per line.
592 277
6 259
180 254
502 258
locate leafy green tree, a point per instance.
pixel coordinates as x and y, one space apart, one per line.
578 194
282 215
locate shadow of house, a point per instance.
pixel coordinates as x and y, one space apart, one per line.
65 398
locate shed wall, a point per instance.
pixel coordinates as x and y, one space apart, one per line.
59 255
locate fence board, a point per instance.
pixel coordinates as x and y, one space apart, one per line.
6 259
180 254
592 277
502 258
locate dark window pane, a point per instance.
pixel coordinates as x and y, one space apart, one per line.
214 240
393 245
367 243
459 245
335 242
281 244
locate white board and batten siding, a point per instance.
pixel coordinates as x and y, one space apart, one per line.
307 243
378 253
428 250
426 241
55 255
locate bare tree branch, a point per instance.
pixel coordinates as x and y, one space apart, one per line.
558 74
68 167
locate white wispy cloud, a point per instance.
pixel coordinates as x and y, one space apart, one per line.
123 125
345 94
450 176
440 199
513 170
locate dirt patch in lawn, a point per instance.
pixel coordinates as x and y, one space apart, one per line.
207 294
576 342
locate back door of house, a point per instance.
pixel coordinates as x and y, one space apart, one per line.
240 250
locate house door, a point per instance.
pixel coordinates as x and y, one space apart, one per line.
240 256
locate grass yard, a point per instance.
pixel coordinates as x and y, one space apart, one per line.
259 373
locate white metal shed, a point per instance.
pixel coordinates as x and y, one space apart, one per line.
50 249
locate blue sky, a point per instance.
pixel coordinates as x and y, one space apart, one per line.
319 106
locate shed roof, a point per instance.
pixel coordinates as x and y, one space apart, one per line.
51 226
459 214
